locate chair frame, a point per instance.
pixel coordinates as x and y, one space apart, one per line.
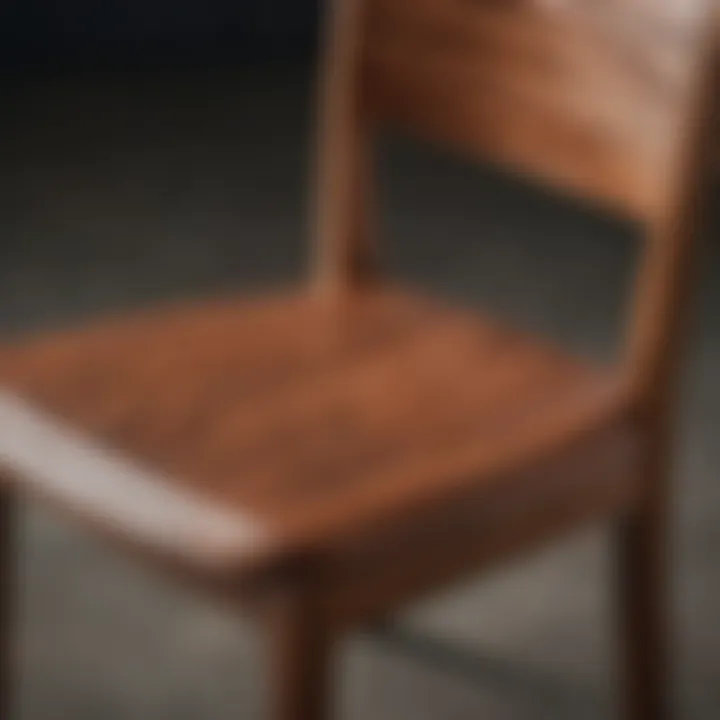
345 260
305 615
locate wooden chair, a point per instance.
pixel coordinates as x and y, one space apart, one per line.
325 456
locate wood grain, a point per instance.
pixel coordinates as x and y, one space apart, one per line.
585 97
295 421
348 447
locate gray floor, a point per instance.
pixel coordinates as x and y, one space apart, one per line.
118 191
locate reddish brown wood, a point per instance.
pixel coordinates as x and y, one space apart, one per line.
580 94
653 358
342 453
593 479
654 342
344 251
643 587
284 425
301 655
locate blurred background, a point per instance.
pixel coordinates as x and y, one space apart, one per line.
152 150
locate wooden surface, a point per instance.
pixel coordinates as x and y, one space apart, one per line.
302 655
287 419
355 445
581 94
591 480
344 245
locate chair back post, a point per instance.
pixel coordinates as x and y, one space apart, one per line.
662 294
343 254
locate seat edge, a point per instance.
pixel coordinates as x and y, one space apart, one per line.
50 460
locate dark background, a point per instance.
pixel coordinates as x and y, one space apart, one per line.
123 33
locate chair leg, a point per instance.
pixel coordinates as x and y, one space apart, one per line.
643 609
301 662
7 598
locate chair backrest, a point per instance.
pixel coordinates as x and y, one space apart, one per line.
610 99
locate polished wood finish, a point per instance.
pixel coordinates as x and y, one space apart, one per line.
654 352
595 477
643 581
344 254
301 653
328 454
281 425
582 94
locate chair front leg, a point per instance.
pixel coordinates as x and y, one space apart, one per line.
301 658
8 550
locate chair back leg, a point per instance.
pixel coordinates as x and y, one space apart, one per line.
643 555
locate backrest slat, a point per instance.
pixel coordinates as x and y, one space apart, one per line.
565 90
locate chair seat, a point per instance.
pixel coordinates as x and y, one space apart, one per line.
231 433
